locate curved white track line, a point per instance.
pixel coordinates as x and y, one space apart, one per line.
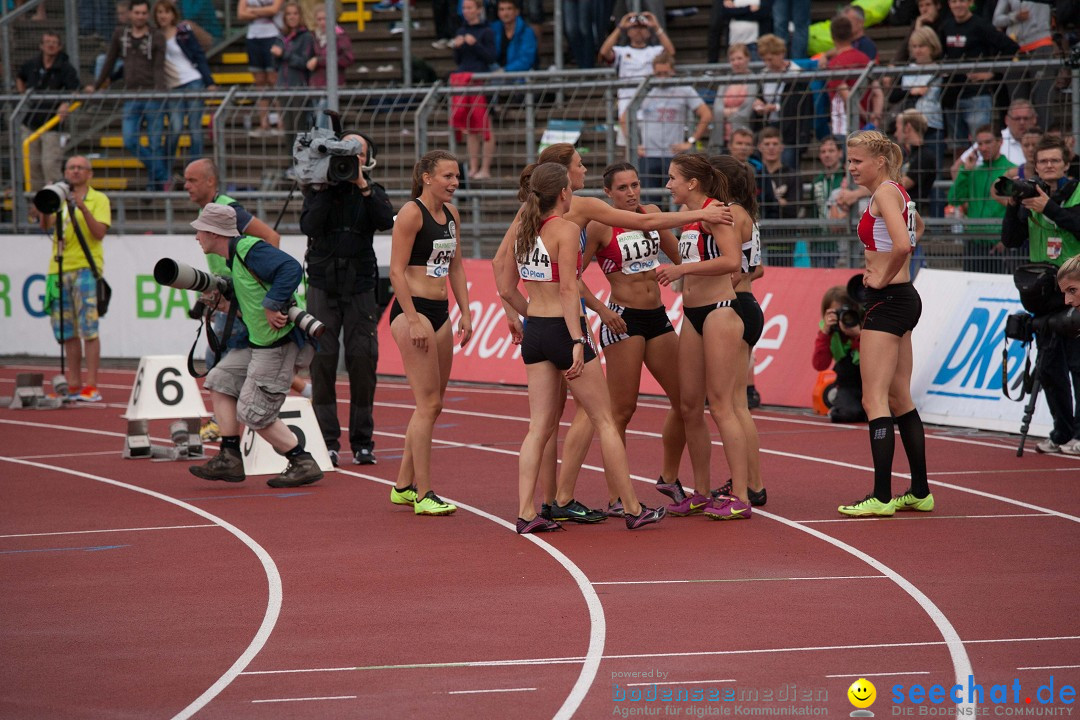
273 579
597 621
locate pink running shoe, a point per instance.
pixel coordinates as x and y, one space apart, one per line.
728 508
693 505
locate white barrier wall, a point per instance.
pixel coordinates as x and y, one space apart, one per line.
144 318
957 353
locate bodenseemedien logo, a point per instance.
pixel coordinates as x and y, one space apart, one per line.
862 695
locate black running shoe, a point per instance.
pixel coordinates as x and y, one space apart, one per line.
757 498
545 511
647 516
673 490
574 511
753 397
536 525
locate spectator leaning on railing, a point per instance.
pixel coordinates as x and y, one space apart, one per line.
1050 222
50 71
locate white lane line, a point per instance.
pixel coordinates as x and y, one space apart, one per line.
110 530
64 455
1050 667
957 652
307 699
681 682
881 674
928 516
738 580
494 690
1011 472
273 581
641 656
597 621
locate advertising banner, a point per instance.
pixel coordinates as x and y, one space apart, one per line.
789 297
957 349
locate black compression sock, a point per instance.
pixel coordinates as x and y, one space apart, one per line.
911 434
296 451
882 444
231 442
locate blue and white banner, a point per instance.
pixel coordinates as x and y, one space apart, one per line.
957 350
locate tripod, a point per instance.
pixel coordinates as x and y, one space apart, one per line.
1029 409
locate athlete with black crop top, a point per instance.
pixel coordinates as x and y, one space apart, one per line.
710 343
888 229
547 253
744 204
629 259
582 211
423 255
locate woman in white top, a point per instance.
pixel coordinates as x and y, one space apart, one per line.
186 69
264 19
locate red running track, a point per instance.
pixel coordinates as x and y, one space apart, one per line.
132 589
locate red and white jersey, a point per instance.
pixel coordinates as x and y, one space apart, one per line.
631 251
539 266
872 231
695 244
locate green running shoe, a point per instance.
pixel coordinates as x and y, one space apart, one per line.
432 504
869 506
403 497
907 501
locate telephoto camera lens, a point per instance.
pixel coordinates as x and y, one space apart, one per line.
308 323
178 275
49 198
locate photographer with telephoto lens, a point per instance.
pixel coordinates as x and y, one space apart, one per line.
343 209
251 392
837 343
1050 222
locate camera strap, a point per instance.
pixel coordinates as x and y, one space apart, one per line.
82 241
1024 382
217 345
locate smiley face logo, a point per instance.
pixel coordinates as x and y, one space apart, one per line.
862 693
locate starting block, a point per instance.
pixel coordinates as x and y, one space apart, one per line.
30 393
137 442
185 436
260 458
163 390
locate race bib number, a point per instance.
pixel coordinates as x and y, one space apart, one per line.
911 222
640 252
1053 248
752 250
442 251
688 246
537 267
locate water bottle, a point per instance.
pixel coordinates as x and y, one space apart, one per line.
957 212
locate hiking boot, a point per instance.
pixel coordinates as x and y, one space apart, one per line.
574 511
227 465
302 470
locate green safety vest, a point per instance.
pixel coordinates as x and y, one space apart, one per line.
1049 243
250 291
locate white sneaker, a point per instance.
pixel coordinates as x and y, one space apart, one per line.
1047 446
1072 447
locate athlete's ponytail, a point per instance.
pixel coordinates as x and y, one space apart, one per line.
546 182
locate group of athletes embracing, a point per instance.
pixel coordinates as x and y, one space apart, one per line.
715 258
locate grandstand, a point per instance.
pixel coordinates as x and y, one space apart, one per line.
402 121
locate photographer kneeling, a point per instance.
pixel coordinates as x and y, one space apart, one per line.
249 385
1050 222
340 219
837 342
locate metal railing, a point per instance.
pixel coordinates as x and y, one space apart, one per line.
406 122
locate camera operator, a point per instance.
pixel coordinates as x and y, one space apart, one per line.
76 323
341 221
249 386
837 342
1051 225
1069 281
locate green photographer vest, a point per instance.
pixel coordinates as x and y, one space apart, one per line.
1050 243
250 291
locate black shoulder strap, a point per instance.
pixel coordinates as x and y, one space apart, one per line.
82 240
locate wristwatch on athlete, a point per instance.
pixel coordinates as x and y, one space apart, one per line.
580 341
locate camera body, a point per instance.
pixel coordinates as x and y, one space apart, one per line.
51 198
321 159
1019 189
1024 327
178 275
850 316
